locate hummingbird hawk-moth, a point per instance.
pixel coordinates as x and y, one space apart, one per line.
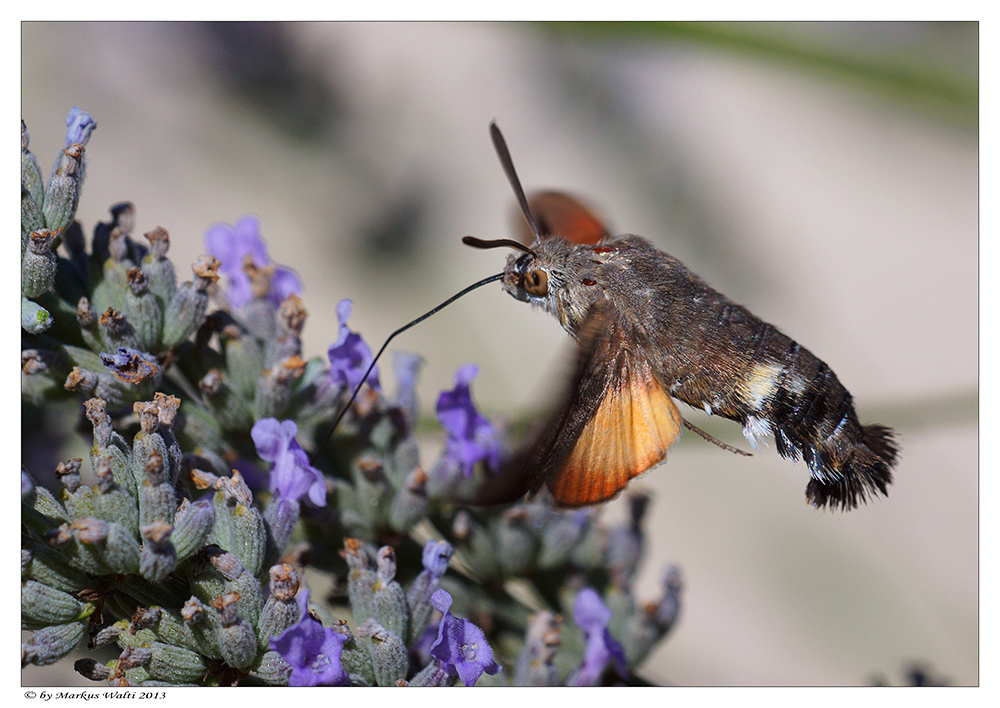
650 331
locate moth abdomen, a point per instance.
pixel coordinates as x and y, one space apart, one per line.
812 417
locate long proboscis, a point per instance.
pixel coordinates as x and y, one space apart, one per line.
357 389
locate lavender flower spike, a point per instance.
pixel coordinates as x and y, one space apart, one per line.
312 650
461 646
471 437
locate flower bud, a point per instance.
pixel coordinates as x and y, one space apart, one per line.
478 545
170 628
192 525
515 541
433 675
371 492
31 171
236 636
107 634
535 664
204 625
239 527
389 600
110 545
436 556
40 511
186 309
122 221
158 558
35 319
286 341
211 569
388 653
50 644
560 534
281 516
274 388
110 500
280 611
109 286
271 669
31 218
144 311
590 551
244 364
360 580
356 657
149 443
49 567
157 498
159 269
108 443
79 126
131 666
38 267
91 669
410 503
62 195
175 664
42 605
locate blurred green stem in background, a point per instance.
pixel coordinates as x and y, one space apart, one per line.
925 65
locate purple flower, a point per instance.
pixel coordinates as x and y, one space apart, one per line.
79 126
406 367
231 245
461 646
312 650
349 356
292 477
436 556
591 615
471 437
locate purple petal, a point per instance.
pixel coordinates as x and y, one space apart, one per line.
435 559
471 437
271 437
292 477
312 650
349 356
79 126
461 646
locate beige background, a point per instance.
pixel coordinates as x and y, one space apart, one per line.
841 214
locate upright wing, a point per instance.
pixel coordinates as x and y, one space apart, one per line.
614 424
557 213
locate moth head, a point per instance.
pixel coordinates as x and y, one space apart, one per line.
526 278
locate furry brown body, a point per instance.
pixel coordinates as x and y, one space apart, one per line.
703 349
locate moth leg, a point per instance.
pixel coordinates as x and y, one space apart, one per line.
716 441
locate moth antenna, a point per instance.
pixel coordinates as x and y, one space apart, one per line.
716 441
496 243
402 329
508 167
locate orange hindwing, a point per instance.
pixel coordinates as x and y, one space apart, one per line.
629 433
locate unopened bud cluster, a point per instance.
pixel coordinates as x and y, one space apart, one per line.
190 537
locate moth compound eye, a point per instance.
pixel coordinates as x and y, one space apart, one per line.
536 282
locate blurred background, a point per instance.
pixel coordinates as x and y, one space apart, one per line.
824 175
